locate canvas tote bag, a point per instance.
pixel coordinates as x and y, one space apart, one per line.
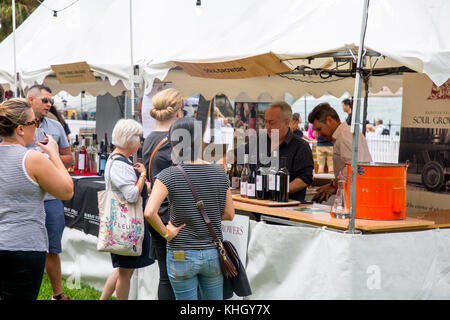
121 229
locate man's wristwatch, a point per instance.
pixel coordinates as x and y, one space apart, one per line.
143 174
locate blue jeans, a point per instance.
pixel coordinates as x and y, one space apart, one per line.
201 268
55 224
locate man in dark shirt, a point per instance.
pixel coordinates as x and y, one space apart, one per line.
299 160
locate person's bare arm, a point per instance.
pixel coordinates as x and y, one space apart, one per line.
50 174
296 185
228 212
159 193
66 157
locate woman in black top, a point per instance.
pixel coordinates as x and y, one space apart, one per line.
192 258
168 106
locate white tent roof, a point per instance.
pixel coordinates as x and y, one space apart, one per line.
413 33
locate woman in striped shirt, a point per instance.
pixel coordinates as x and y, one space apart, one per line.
192 258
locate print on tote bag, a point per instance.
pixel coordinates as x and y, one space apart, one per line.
121 226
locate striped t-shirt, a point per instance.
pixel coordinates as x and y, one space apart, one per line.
22 215
211 184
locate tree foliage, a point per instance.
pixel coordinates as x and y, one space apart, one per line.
23 9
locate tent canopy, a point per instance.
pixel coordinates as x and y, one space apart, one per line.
411 33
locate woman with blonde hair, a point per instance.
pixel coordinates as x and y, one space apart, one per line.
128 180
25 177
168 106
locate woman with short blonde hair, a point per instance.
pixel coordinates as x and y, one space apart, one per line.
128 180
127 132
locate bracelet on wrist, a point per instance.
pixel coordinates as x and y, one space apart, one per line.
166 236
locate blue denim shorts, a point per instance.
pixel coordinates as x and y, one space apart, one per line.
55 224
199 269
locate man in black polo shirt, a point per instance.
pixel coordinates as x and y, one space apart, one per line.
297 152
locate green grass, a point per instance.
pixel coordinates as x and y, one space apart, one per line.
85 292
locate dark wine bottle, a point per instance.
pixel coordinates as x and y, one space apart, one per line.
251 183
106 142
103 158
261 183
283 181
272 181
76 152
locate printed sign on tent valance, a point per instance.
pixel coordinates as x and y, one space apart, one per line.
254 66
77 72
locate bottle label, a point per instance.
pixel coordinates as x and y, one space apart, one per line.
278 183
272 182
243 188
81 163
235 182
251 192
259 183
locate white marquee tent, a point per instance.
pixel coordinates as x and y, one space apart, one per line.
411 33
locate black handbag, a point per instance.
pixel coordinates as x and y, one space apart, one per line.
235 277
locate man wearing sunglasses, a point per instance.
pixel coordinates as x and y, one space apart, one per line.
41 100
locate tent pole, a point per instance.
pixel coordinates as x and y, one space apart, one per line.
14 47
356 118
366 99
131 60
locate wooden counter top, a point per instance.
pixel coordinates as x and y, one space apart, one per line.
324 219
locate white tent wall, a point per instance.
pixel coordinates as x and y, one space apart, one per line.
285 262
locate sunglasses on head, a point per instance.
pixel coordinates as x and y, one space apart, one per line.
35 122
47 100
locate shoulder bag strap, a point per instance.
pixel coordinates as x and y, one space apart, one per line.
199 204
153 154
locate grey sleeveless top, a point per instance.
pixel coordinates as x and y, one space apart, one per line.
22 215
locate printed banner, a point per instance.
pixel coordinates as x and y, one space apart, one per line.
78 72
425 143
255 66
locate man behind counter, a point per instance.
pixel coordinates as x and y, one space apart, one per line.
326 122
299 160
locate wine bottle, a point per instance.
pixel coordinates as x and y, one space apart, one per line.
106 141
72 152
283 181
235 177
261 183
82 157
93 155
272 181
103 159
251 183
76 152
244 177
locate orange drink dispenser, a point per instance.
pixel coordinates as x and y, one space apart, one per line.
380 191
